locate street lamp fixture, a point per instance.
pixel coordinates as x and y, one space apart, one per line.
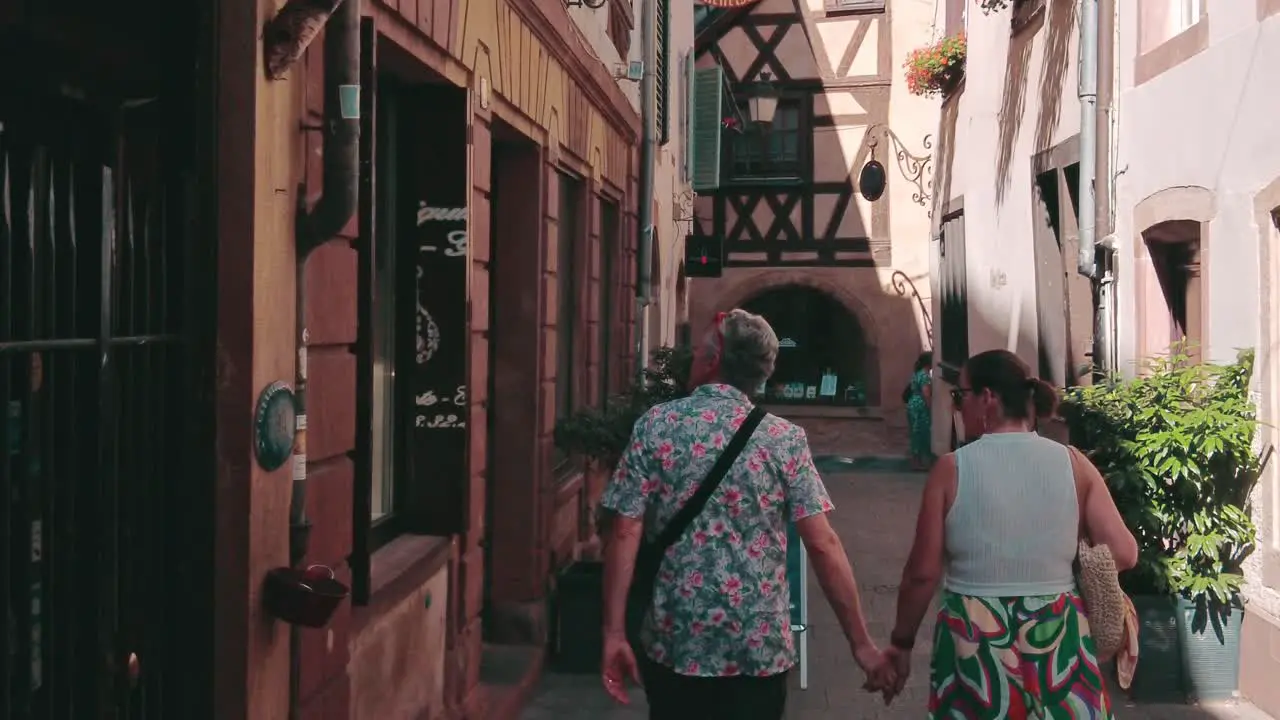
764 100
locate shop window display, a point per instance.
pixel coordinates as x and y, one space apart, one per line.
823 357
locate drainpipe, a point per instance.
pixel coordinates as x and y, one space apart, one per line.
648 42
1088 94
337 203
1106 157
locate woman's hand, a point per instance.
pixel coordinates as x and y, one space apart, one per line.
900 661
619 666
874 663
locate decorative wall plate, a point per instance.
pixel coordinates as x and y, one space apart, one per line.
275 423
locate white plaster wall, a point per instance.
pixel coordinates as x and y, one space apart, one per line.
1000 263
594 25
1209 122
913 119
670 187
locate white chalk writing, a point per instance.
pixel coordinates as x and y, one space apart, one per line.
427 341
427 214
439 421
429 398
457 240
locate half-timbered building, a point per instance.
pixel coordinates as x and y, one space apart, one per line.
842 278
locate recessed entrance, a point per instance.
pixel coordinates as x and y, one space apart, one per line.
824 356
106 315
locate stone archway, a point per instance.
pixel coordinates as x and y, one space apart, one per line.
827 356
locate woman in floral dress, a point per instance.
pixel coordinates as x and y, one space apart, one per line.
919 412
999 525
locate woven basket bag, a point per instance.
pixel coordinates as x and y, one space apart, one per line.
1104 601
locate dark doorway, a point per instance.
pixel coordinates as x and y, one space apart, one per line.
106 319
824 357
513 500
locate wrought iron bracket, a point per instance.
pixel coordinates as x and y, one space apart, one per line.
904 285
916 169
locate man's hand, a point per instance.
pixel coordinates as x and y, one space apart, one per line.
873 662
619 666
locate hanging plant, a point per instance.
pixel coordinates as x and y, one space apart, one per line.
990 6
731 123
935 70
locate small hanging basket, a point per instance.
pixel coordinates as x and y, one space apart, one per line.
937 69
303 597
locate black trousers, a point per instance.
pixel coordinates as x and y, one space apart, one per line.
673 696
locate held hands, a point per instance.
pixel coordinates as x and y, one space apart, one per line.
887 671
619 666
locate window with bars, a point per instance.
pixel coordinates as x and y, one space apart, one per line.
768 150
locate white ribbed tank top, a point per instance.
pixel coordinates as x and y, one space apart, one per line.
1013 529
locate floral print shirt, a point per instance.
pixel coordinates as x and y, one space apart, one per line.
721 602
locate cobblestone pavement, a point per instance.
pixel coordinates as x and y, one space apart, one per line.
874 515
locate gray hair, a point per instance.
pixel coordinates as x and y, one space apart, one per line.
750 349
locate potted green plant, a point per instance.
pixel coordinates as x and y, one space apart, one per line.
598 437
1176 445
938 68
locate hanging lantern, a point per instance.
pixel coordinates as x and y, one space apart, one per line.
763 103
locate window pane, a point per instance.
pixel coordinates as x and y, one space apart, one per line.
609 244
789 115
790 147
567 287
382 462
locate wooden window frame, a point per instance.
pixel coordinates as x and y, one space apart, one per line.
621 23
1026 13
803 132
571 293
853 7
953 348
611 292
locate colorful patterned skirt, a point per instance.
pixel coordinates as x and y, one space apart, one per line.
1015 658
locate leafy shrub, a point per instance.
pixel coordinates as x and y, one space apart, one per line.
602 434
1176 446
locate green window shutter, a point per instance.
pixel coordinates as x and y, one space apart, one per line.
686 117
661 73
708 98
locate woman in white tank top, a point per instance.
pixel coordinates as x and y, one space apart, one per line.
998 528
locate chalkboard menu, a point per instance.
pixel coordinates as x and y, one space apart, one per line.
437 436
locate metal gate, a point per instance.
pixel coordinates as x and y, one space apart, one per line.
92 369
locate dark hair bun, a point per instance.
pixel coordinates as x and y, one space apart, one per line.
1044 397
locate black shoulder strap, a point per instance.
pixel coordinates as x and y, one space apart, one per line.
691 509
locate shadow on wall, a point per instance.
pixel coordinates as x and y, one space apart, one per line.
1059 29
1012 103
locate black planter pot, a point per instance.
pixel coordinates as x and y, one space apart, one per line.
1210 643
577 640
1159 675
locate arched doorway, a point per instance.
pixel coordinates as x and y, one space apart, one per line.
824 356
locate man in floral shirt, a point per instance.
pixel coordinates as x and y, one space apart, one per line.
717 642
